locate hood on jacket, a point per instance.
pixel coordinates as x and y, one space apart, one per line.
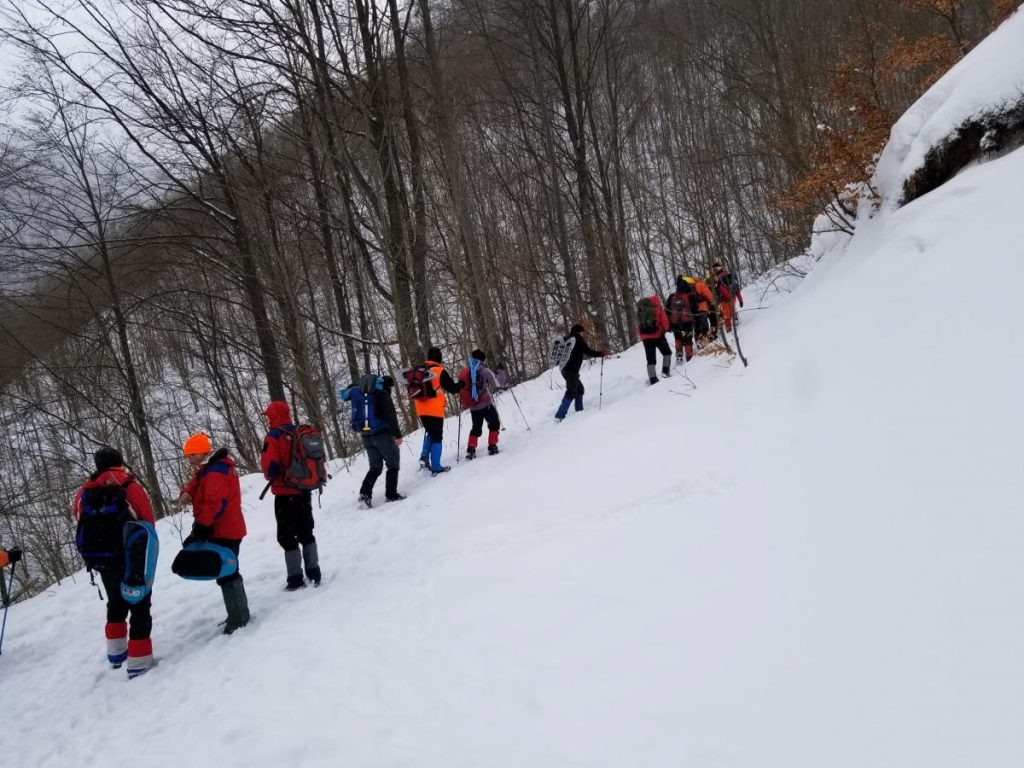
108 477
655 301
221 456
278 414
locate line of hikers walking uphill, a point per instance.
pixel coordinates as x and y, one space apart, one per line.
116 534
691 312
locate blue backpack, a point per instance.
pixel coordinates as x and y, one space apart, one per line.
362 397
141 549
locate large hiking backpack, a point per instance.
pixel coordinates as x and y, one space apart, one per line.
419 382
646 316
307 467
468 375
560 351
363 401
141 549
100 534
679 310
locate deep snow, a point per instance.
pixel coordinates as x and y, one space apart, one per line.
814 561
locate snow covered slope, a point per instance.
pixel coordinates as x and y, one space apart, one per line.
814 561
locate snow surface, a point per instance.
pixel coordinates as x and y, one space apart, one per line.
814 561
991 77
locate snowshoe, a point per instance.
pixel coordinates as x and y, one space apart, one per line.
492 450
424 462
365 502
470 454
439 471
394 497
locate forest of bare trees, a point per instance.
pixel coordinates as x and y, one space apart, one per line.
206 204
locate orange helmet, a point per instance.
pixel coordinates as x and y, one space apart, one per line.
198 445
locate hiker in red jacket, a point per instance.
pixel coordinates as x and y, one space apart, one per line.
132 645
293 508
216 498
652 326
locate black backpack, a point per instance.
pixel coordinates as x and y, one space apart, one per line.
100 535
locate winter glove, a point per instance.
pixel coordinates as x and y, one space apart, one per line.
741 303
200 532
14 555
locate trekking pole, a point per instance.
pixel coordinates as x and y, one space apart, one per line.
600 387
512 392
458 445
7 604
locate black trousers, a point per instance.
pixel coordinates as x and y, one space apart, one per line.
294 515
434 427
234 545
118 609
653 346
683 334
380 450
573 384
488 414
701 325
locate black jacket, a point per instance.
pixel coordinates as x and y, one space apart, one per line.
579 350
384 410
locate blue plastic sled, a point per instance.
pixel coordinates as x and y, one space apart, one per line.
203 561
141 550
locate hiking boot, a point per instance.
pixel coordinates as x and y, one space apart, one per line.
470 454
294 583
424 462
365 500
236 603
394 497
654 379
492 450
439 471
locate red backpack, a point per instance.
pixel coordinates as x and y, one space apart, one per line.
678 308
418 382
307 467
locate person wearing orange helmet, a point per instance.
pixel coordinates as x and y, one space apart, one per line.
216 498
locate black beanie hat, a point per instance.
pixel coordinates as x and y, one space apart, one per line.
576 329
434 353
107 457
478 354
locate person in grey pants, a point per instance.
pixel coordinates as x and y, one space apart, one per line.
381 437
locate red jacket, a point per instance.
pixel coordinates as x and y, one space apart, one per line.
217 497
134 493
277 448
660 318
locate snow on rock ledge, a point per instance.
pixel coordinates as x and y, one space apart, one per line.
988 79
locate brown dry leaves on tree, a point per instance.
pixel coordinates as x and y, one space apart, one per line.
874 70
